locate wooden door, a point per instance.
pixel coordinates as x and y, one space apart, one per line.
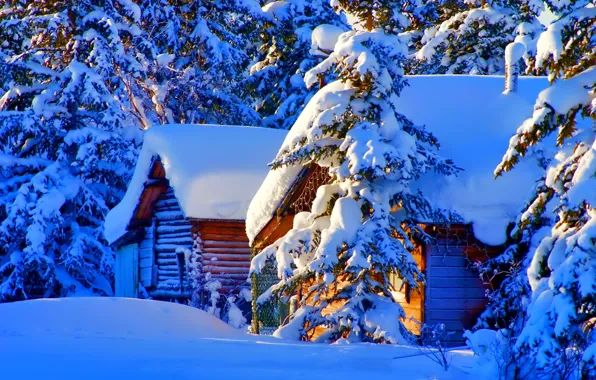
127 271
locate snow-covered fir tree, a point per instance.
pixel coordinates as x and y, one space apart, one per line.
202 49
70 86
362 224
297 36
425 14
473 38
508 301
557 337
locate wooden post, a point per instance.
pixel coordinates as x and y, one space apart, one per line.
321 81
180 260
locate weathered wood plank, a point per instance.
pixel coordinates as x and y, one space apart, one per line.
146 252
459 282
225 244
231 264
150 194
146 274
227 270
222 223
452 272
167 228
206 230
456 304
176 222
459 314
146 262
225 257
227 238
226 250
166 261
223 274
459 293
169 247
187 240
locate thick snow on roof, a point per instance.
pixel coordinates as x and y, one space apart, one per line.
214 170
473 121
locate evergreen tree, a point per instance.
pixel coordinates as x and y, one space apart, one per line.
508 300
202 51
473 38
70 81
362 224
425 14
557 336
277 79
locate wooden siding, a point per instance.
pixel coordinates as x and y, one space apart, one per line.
455 295
225 251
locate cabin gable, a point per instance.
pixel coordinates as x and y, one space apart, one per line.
166 239
298 199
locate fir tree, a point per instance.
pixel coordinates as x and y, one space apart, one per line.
507 272
202 51
70 81
361 226
557 337
277 79
473 38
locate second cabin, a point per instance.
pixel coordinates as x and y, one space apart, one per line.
473 122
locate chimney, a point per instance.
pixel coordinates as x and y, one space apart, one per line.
513 53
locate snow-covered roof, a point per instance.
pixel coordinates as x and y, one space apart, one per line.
214 170
473 121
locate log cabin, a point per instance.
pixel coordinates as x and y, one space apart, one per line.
188 199
473 121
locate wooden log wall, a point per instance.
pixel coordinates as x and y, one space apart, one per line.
172 231
226 252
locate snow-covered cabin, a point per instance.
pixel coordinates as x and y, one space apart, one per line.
189 195
473 121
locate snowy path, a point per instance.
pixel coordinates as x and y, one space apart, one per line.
34 344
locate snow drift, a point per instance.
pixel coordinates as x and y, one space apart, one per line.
109 317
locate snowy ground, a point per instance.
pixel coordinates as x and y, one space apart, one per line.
113 338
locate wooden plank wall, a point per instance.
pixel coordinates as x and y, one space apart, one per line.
455 295
226 252
147 265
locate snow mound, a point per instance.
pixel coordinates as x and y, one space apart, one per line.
214 170
473 122
104 317
120 338
324 37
